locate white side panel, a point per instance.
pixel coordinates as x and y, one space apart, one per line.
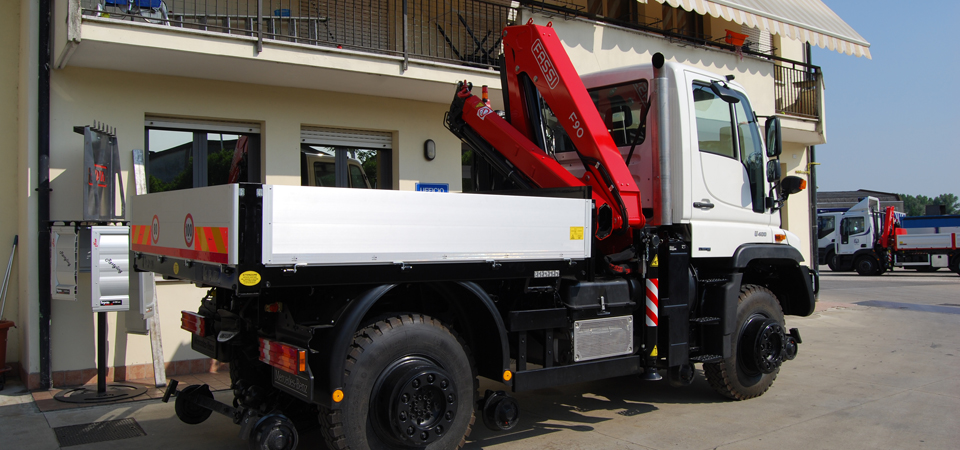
316 225
926 241
212 212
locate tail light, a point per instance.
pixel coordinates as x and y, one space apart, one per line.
283 356
194 323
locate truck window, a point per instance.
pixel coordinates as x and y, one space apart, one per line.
324 174
356 177
825 226
623 108
751 151
851 226
556 139
714 123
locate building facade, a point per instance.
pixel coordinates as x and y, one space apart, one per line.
300 83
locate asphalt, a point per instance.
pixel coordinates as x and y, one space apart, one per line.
879 368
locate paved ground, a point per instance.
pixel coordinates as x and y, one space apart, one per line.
867 377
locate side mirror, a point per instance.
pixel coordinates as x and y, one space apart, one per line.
774 144
773 171
725 93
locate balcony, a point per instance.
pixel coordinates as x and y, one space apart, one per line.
463 32
796 89
342 45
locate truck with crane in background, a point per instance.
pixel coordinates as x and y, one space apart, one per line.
872 240
628 224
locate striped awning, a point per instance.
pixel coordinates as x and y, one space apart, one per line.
805 20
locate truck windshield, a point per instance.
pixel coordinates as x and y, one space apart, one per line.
825 225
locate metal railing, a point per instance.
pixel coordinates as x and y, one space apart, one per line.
465 32
796 89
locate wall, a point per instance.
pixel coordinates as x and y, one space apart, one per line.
797 209
9 82
593 47
121 100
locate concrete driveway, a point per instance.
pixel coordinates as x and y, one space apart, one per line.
879 369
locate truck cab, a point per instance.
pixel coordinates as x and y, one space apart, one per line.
720 171
827 235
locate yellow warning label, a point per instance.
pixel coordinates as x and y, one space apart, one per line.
576 233
654 352
656 262
249 278
176 268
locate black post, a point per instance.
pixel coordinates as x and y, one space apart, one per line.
43 188
812 164
259 26
406 54
101 352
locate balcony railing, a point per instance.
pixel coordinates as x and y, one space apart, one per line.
464 32
796 89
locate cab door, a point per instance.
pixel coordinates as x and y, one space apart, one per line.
728 171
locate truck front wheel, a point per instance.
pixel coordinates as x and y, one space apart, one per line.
867 265
759 350
408 383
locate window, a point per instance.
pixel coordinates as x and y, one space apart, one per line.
555 137
825 226
335 157
730 130
851 226
186 154
623 109
625 10
687 23
714 123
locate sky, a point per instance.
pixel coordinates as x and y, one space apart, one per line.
893 122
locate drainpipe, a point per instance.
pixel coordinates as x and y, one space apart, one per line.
43 188
814 260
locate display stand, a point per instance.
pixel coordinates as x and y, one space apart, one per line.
92 255
104 392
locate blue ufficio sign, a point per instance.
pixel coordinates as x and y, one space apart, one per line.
433 187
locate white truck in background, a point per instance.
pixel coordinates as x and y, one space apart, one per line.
872 242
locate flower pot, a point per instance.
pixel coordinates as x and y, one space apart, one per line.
4 326
735 39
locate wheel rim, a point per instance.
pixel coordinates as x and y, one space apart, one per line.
762 345
415 402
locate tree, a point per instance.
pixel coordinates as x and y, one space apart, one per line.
916 205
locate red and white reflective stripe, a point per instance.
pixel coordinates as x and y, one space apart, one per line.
653 294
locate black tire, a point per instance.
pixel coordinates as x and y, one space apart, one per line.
189 412
867 266
955 264
832 262
378 353
731 377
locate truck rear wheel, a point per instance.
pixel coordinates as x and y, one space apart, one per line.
408 383
832 262
756 355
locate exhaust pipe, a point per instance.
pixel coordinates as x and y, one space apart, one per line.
661 87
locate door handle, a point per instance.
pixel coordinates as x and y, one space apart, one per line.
704 205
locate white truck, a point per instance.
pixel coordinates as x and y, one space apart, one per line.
872 242
633 228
